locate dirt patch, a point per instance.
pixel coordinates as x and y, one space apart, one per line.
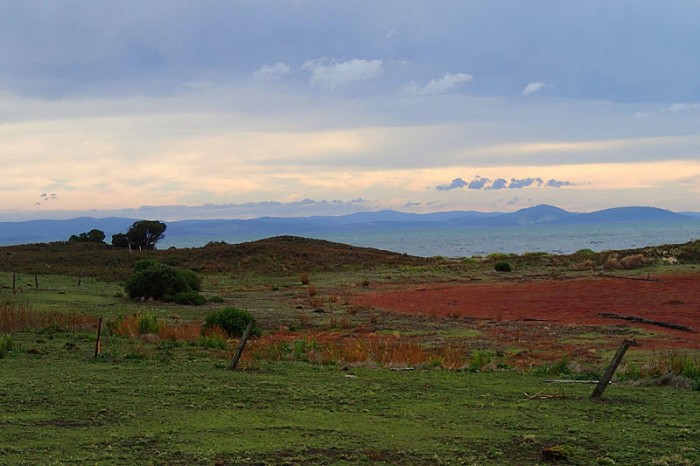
668 298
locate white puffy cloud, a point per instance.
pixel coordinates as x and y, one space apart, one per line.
267 72
333 74
441 85
534 87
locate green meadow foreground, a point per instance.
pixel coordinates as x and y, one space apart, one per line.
330 381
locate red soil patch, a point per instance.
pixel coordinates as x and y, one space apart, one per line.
667 298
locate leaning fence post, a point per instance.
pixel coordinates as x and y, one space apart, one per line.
241 344
605 380
97 341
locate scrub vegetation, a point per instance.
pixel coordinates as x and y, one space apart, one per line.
335 374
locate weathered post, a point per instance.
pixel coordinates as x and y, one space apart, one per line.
14 283
99 334
610 371
241 344
36 281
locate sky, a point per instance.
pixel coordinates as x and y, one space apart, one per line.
175 109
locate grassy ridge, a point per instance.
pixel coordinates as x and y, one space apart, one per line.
274 256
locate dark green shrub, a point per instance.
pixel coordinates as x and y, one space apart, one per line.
193 280
145 264
231 320
502 267
191 298
152 279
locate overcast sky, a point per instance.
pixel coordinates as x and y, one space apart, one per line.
301 107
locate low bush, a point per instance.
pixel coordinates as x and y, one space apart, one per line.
612 263
191 298
585 265
152 279
502 267
231 320
634 261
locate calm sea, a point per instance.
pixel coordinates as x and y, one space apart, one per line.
467 242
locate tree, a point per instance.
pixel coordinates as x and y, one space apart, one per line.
120 240
92 236
144 234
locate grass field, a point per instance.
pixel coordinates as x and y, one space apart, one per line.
345 385
181 406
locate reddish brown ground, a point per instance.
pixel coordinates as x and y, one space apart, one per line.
525 307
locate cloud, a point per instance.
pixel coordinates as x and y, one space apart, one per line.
332 74
500 183
268 72
440 85
524 183
481 183
682 107
534 87
478 182
457 183
557 184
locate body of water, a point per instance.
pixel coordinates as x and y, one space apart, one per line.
467 242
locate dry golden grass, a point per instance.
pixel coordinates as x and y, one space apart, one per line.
21 317
393 351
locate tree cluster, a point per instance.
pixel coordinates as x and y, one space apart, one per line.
142 235
92 236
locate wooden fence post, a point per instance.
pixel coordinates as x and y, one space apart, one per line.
241 344
14 283
97 341
605 380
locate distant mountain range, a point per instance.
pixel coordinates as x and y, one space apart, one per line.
198 232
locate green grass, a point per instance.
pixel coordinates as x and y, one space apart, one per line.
181 406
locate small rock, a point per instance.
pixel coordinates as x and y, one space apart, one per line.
320 310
